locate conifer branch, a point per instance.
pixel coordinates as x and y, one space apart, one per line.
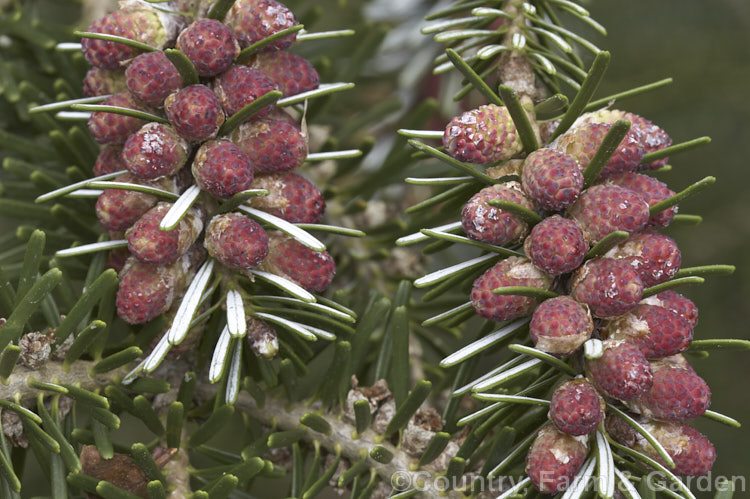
277 411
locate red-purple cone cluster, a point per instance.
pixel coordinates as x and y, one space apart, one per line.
558 220
186 146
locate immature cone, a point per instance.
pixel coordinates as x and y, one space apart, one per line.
675 302
653 137
222 169
692 453
490 224
154 151
582 143
576 408
195 112
609 287
512 271
149 244
622 372
654 256
291 73
151 77
103 82
210 46
603 209
147 291
142 25
552 179
677 394
483 135
657 331
652 191
112 128
554 459
556 245
240 86
293 197
118 209
273 145
236 241
313 270
254 20
109 160
560 326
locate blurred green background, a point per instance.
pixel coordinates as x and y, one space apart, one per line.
705 47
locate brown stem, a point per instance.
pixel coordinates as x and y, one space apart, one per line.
17 387
515 69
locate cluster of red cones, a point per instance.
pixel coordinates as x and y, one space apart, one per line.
600 294
187 146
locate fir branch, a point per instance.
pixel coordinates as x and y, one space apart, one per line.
81 371
277 412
